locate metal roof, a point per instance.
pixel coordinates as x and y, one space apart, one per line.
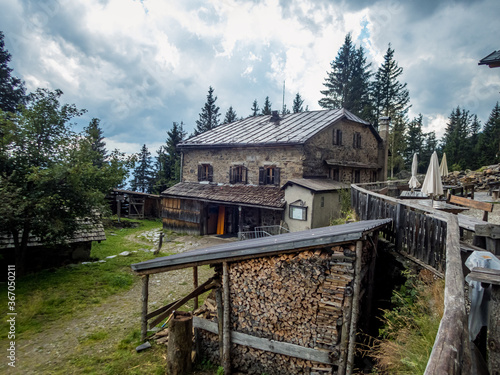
493 59
292 128
317 184
235 251
270 197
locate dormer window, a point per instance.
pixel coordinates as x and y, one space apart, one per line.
238 174
205 172
269 175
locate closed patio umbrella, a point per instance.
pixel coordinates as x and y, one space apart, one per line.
432 183
413 183
443 168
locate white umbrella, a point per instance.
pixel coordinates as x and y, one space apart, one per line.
413 183
432 184
443 168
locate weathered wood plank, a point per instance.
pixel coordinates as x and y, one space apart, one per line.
272 346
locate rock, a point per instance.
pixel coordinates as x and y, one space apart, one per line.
111 257
125 253
142 347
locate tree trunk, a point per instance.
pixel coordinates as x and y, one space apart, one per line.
180 343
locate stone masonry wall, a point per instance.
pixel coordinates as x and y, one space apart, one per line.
288 158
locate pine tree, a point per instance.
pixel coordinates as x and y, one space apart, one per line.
255 108
209 116
391 98
230 116
267 110
414 140
474 154
285 110
348 83
143 174
455 139
489 139
12 90
96 138
430 144
298 104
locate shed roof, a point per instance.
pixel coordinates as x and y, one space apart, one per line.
235 251
269 197
351 164
291 129
88 232
317 184
493 60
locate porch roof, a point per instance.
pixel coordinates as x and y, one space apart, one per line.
317 184
269 197
351 164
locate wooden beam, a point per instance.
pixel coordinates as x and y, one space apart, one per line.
195 285
209 284
355 308
267 345
220 322
144 312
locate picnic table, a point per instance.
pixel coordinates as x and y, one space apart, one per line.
416 194
439 205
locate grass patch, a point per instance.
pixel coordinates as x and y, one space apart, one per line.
410 328
54 294
122 358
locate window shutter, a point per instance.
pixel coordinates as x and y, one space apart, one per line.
354 140
231 175
339 137
210 173
262 176
277 176
359 140
334 137
245 175
200 173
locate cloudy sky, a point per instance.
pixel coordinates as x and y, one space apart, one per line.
141 65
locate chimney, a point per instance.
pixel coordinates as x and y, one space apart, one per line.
383 129
275 117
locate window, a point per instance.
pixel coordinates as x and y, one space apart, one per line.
335 174
337 137
205 172
269 176
374 176
298 210
356 140
238 174
322 201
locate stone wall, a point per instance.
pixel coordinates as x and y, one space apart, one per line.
288 158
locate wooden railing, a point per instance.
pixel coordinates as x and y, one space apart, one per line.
431 238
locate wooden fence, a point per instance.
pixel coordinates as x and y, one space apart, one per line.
431 238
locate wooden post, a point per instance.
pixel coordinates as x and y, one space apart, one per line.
226 332
355 308
220 320
195 285
144 300
180 343
346 322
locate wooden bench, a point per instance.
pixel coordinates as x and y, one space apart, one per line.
461 201
493 186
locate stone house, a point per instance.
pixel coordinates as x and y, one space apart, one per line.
234 177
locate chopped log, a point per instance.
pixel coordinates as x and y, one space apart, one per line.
180 343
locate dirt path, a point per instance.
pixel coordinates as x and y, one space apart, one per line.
118 315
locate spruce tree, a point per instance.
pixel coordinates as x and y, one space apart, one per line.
230 116
298 104
12 90
348 83
391 97
414 140
267 110
209 116
143 173
96 138
255 108
455 139
489 139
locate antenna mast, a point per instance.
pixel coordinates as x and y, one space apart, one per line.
283 110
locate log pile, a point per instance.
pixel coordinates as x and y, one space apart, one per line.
294 298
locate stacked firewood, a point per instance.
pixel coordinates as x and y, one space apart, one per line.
294 298
481 178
